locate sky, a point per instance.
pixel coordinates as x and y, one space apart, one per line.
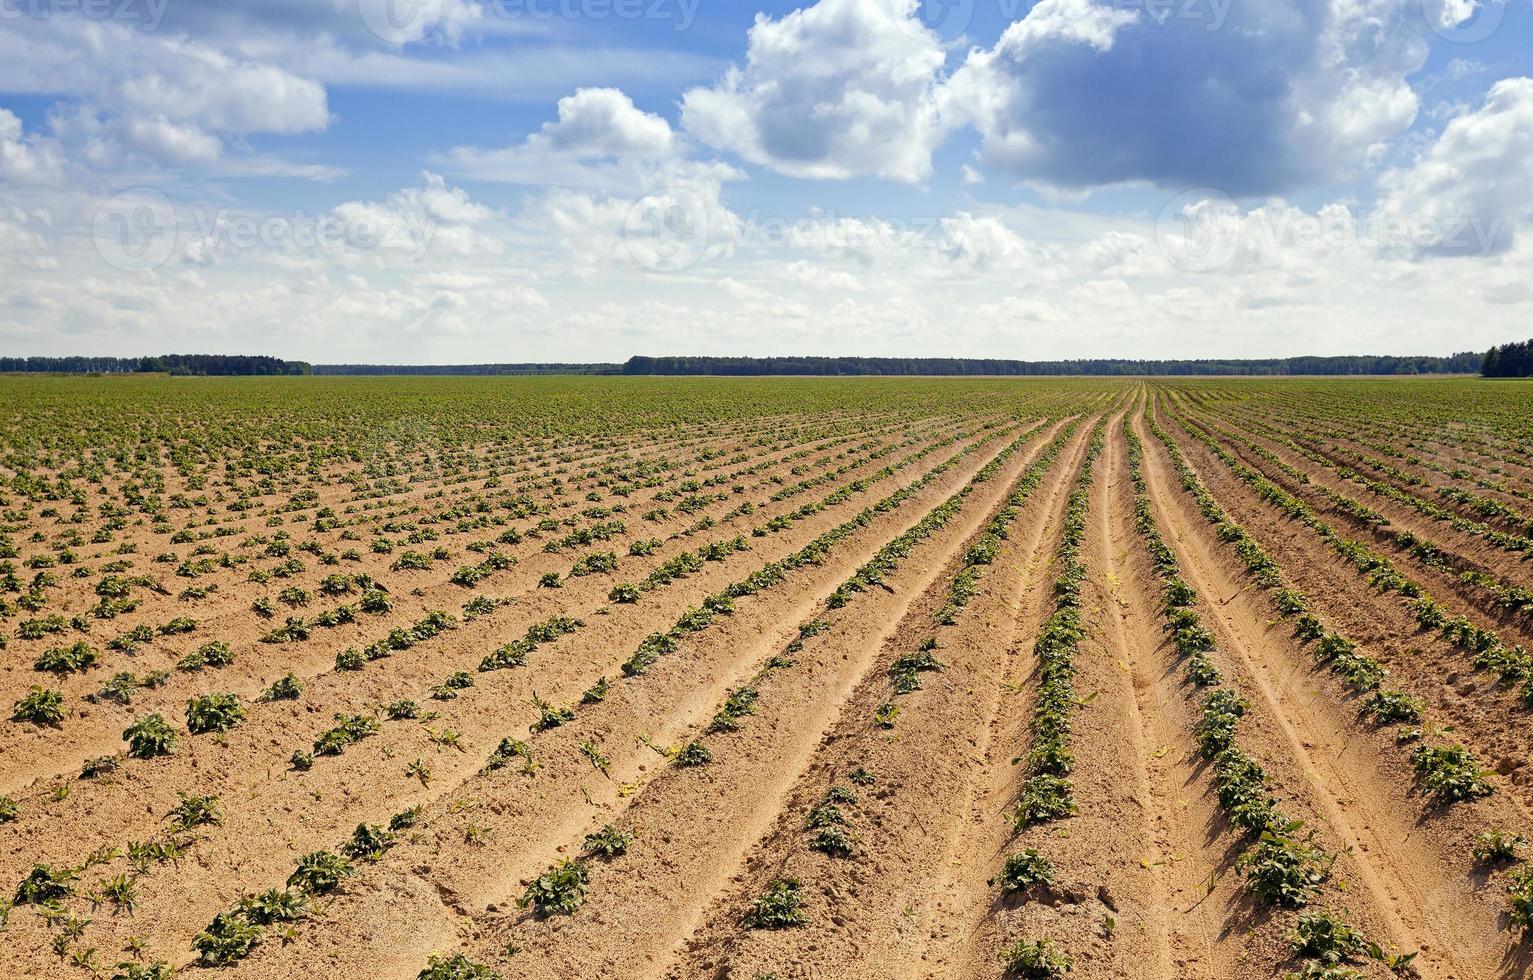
470 181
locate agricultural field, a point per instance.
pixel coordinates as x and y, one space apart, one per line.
458 678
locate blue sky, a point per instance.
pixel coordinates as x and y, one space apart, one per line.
414 181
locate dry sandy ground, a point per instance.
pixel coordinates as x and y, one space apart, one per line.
1148 881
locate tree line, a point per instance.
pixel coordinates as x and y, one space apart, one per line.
465 369
1509 361
177 364
1465 363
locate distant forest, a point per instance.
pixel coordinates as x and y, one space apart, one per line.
467 369
1509 361
177 364
1467 363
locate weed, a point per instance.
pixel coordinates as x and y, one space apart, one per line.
157 970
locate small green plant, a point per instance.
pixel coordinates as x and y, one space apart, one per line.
419 770
1328 938
273 905
1035 960
369 842
1498 846
157 970
780 907
559 891
120 891
195 811
1283 871
320 873
597 693
608 842
508 750
227 940
43 885
1393 707
149 737
624 594
8 809
691 755
1023 871
287 688
67 660
884 716
1450 774
214 713
350 659
1519 890
455 967
549 717
834 841
40 706
740 704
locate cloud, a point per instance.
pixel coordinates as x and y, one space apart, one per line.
26 159
1250 98
1471 191
168 99
838 89
600 139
